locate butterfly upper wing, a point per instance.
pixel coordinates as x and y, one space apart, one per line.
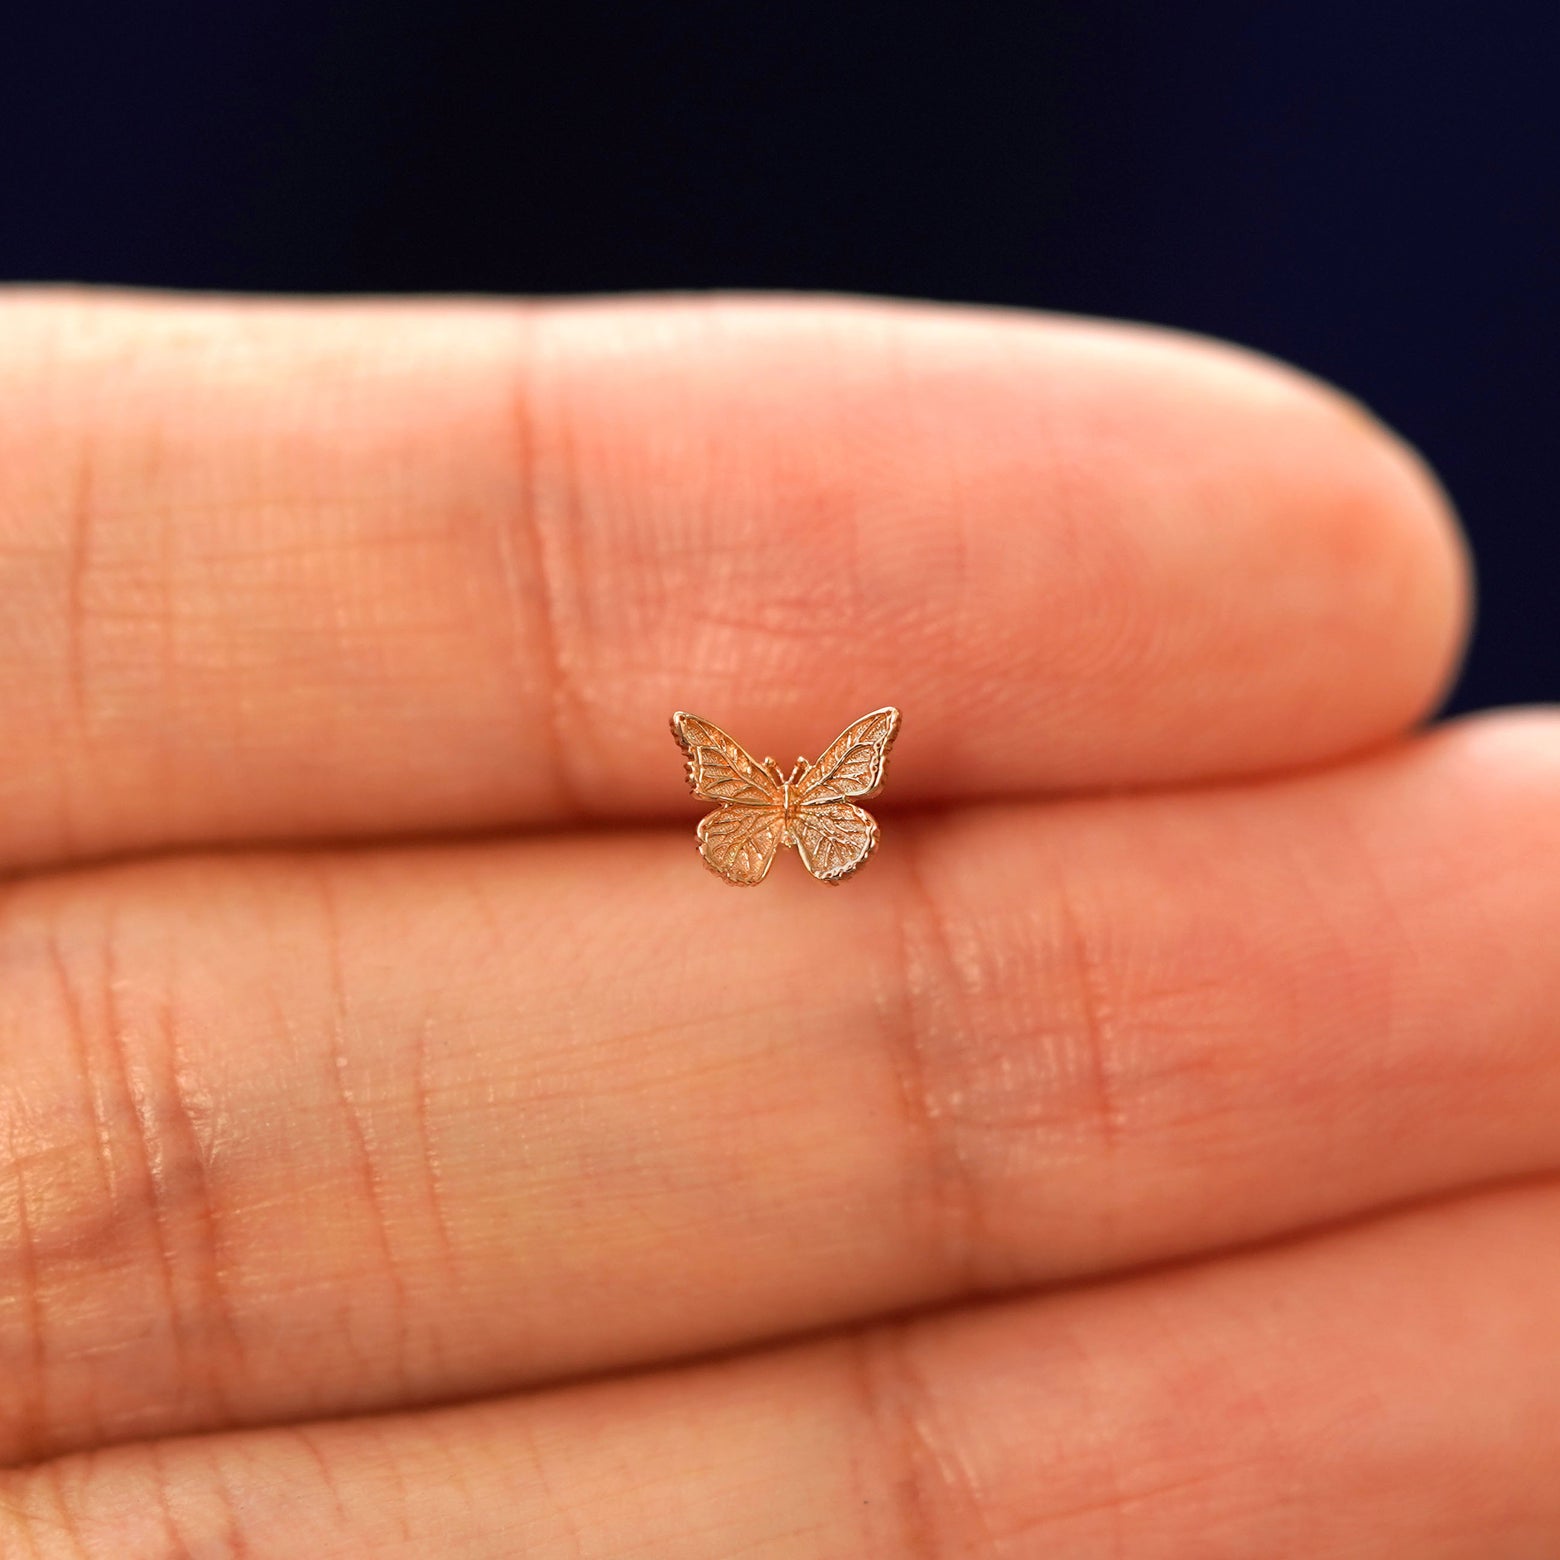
740 842
852 764
720 769
834 838
739 839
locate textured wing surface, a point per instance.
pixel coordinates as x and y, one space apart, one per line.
852 764
740 842
834 838
719 769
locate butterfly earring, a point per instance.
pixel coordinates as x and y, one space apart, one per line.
811 810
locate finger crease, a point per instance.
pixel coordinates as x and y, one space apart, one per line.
196 1155
929 966
543 606
898 1408
1097 1018
30 1429
359 1127
143 1110
78 565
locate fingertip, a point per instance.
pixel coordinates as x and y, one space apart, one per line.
1381 578
1425 563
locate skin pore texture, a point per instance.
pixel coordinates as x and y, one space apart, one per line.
407 1149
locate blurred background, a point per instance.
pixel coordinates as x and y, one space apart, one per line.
1370 191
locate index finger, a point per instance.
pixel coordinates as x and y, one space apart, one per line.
290 570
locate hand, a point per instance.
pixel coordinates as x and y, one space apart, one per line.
406 1149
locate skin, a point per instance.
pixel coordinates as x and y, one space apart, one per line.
406 1149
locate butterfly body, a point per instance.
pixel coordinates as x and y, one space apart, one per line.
790 795
812 810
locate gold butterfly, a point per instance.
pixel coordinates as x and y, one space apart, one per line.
810 809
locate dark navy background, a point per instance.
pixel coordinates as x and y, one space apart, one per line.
1370 190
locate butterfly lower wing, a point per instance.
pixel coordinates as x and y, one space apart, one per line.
740 842
833 838
852 764
719 768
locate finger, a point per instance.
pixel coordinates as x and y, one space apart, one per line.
295 570
336 1135
1389 1391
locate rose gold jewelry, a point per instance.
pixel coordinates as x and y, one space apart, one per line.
810 809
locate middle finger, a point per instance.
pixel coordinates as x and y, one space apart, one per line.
340 1132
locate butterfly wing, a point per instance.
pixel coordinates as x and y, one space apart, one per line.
833 838
739 839
740 842
720 769
852 764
